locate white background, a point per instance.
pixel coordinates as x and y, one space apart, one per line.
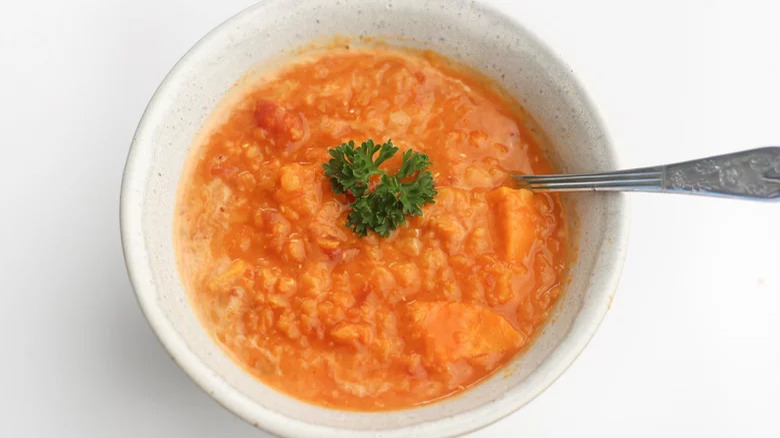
691 346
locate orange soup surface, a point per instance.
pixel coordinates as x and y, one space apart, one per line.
311 309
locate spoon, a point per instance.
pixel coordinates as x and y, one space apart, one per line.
751 174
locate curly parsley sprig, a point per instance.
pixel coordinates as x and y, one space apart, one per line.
384 208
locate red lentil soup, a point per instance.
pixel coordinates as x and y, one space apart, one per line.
311 309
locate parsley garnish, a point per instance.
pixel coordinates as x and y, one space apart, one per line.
385 207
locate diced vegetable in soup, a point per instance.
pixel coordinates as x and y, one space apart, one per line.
309 307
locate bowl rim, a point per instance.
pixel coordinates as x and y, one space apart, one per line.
136 258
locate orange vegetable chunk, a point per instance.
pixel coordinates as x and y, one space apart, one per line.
455 331
516 220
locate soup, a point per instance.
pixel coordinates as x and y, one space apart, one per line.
312 309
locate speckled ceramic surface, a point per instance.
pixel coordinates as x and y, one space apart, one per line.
465 31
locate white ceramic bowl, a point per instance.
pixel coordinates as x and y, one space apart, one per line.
467 32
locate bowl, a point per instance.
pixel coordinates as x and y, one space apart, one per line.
468 32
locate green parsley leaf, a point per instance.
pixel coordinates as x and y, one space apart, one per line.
384 208
350 169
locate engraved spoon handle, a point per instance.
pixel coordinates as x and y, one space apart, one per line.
751 174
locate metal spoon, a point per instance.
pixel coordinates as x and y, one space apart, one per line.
751 174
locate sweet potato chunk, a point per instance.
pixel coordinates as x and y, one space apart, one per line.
516 221
455 331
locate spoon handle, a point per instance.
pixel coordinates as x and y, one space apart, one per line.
751 174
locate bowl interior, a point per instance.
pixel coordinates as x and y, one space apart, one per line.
467 32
